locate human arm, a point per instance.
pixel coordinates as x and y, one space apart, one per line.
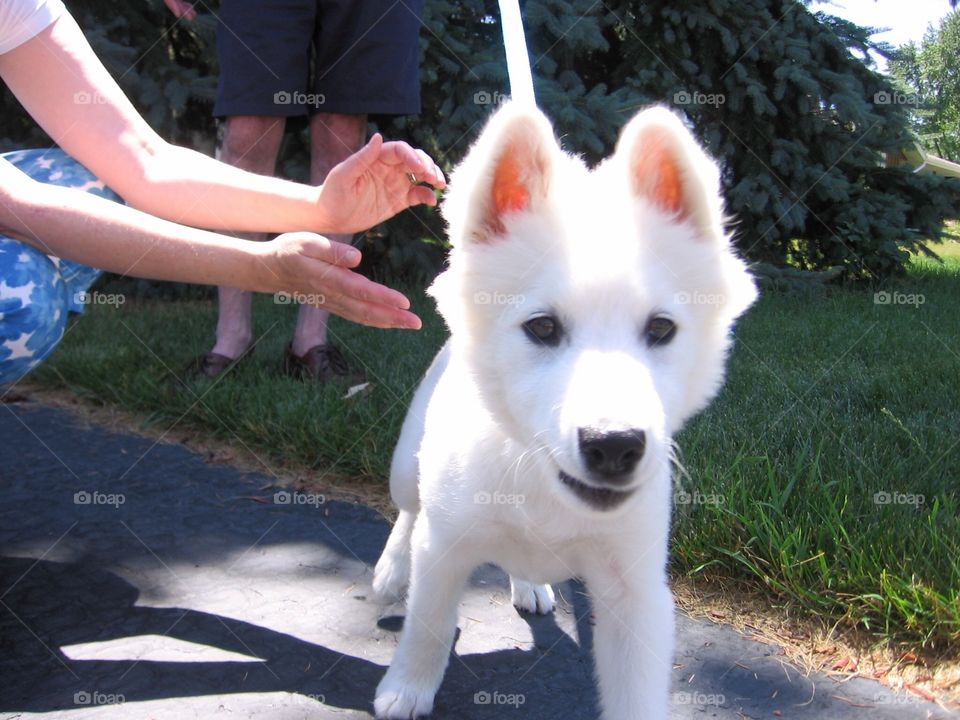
104 234
53 73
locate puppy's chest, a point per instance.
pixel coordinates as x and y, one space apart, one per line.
540 554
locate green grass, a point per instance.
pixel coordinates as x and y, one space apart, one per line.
831 399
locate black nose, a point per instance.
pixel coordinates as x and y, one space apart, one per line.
611 455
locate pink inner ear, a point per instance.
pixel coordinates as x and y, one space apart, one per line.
510 194
657 176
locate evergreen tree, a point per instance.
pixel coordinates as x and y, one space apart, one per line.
786 99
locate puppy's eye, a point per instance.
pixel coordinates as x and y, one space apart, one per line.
660 331
544 330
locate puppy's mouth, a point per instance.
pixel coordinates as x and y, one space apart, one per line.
596 497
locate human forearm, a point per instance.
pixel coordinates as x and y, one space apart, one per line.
106 235
50 71
367 188
188 187
97 232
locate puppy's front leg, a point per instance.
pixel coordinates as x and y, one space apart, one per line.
633 644
438 574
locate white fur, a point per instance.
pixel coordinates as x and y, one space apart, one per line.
476 472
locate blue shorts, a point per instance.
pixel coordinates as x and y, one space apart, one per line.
285 58
37 291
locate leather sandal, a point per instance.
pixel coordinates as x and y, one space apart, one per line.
324 363
213 364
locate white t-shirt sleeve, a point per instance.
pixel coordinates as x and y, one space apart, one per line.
20 20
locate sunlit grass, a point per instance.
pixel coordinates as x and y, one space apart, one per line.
826 471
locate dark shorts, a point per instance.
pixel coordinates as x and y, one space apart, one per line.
294 57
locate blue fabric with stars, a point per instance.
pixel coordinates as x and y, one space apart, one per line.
37 291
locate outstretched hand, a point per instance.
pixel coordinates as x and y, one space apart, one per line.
313 270
376 183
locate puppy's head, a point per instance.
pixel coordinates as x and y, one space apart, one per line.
593 307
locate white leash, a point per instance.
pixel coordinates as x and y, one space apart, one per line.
518 61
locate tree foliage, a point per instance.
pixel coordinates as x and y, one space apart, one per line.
930 74
786 99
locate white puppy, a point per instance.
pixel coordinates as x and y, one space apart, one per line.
590 314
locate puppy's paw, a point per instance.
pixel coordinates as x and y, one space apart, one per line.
396 701
390 578
527 597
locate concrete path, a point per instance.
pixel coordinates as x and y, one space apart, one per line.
136 581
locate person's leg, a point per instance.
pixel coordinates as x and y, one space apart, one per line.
250 143
263 80
38 291
333 138
33 309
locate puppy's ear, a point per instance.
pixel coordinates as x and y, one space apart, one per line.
668 169
508 171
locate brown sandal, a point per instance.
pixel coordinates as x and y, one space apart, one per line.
213 364
323 363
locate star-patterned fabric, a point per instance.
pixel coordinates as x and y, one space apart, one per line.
37 291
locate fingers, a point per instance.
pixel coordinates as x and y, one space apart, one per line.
378 316
420 195
323 270
369 152
430 173
413 161
361 300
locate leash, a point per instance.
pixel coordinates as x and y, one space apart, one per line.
518 60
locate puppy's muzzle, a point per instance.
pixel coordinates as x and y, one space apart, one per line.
611 456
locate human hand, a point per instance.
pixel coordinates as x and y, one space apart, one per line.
316 271
181 9
375 183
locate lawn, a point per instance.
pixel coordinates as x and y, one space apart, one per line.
826 472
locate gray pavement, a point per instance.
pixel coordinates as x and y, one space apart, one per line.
137 581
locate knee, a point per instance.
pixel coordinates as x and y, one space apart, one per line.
251 142
33 309
335 137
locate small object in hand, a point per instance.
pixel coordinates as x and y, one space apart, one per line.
413 179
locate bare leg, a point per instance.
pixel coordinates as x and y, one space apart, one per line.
250 143
333 138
